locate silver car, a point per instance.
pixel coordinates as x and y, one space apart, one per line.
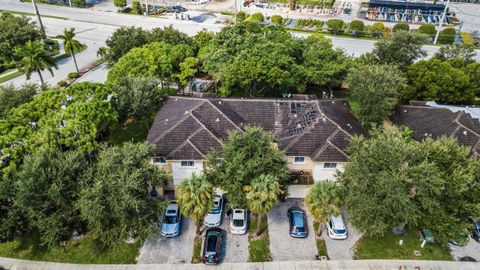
238 222
214 216
171 221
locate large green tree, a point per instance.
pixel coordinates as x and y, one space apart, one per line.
115 200
15 31
244 157
195 198
372 86
12 97
401 49
393 180
122 41
33 57
323 201
262 195
465 52
70 44
47 187
439 81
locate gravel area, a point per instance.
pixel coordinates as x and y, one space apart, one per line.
342 249
471 250
283 247
170 250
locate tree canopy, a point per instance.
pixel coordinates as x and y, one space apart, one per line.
12 97
244 157
393 180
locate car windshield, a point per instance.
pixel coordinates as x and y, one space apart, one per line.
238 222
298 220
299 229
339 231
170 219
216 208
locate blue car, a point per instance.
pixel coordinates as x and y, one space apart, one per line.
298 222
476 229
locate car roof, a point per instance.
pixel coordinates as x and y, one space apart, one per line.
217 198
238 213
298 220
337 222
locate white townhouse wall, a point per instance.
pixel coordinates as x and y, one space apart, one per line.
183 169
327 170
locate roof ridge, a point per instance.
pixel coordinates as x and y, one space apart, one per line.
224 115
184 143
195 147
338 126
317 151
462 125
205 128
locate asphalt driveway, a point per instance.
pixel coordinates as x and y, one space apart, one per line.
161 250
283 247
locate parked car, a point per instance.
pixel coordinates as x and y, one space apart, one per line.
238 222
214 216
298 222
336 228
476 228
171 220
212 248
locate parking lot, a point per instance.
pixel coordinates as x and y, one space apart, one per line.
170 250
282 246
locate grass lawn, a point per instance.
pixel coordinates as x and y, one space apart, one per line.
10 76
135 131
31 14
79 251
258 246
321 246
388 247
197 249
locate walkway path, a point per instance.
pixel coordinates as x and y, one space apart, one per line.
312 265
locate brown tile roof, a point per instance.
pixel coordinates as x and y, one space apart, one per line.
188 128
437 122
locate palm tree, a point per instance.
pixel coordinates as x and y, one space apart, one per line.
70 44
34 57
195 197
322 201
262 196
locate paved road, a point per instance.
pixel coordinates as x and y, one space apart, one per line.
170 250
282 246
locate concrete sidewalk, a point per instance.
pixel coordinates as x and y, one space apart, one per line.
13 264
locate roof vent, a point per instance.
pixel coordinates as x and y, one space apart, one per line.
276 123
217 120
333 101
404 110
186 112
166 120
176 99
465 132
348 125
299 126
426 134
295 115
219 102
324 119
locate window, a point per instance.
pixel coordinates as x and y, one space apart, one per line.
299 160
187 163
159 160
329 165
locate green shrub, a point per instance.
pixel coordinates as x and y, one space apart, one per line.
241 16
62 83
72 75
447 36
336 26
255 17
401 27
136 7
356 27
277 19
377 28
427 29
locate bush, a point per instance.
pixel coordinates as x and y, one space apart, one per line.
72 75
136 8
377 28
336 26
241 16
427 29
447 36
255 17
62 83
309 23
277 19
401 27
120 3
356 27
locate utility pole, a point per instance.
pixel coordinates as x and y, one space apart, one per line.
458 37
441 22
42 30
70 3
146 7
235 12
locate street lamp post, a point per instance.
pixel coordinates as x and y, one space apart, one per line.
42 30
441 23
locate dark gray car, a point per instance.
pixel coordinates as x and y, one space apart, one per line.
298 222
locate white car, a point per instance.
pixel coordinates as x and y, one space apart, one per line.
214 216
336 228
238 222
